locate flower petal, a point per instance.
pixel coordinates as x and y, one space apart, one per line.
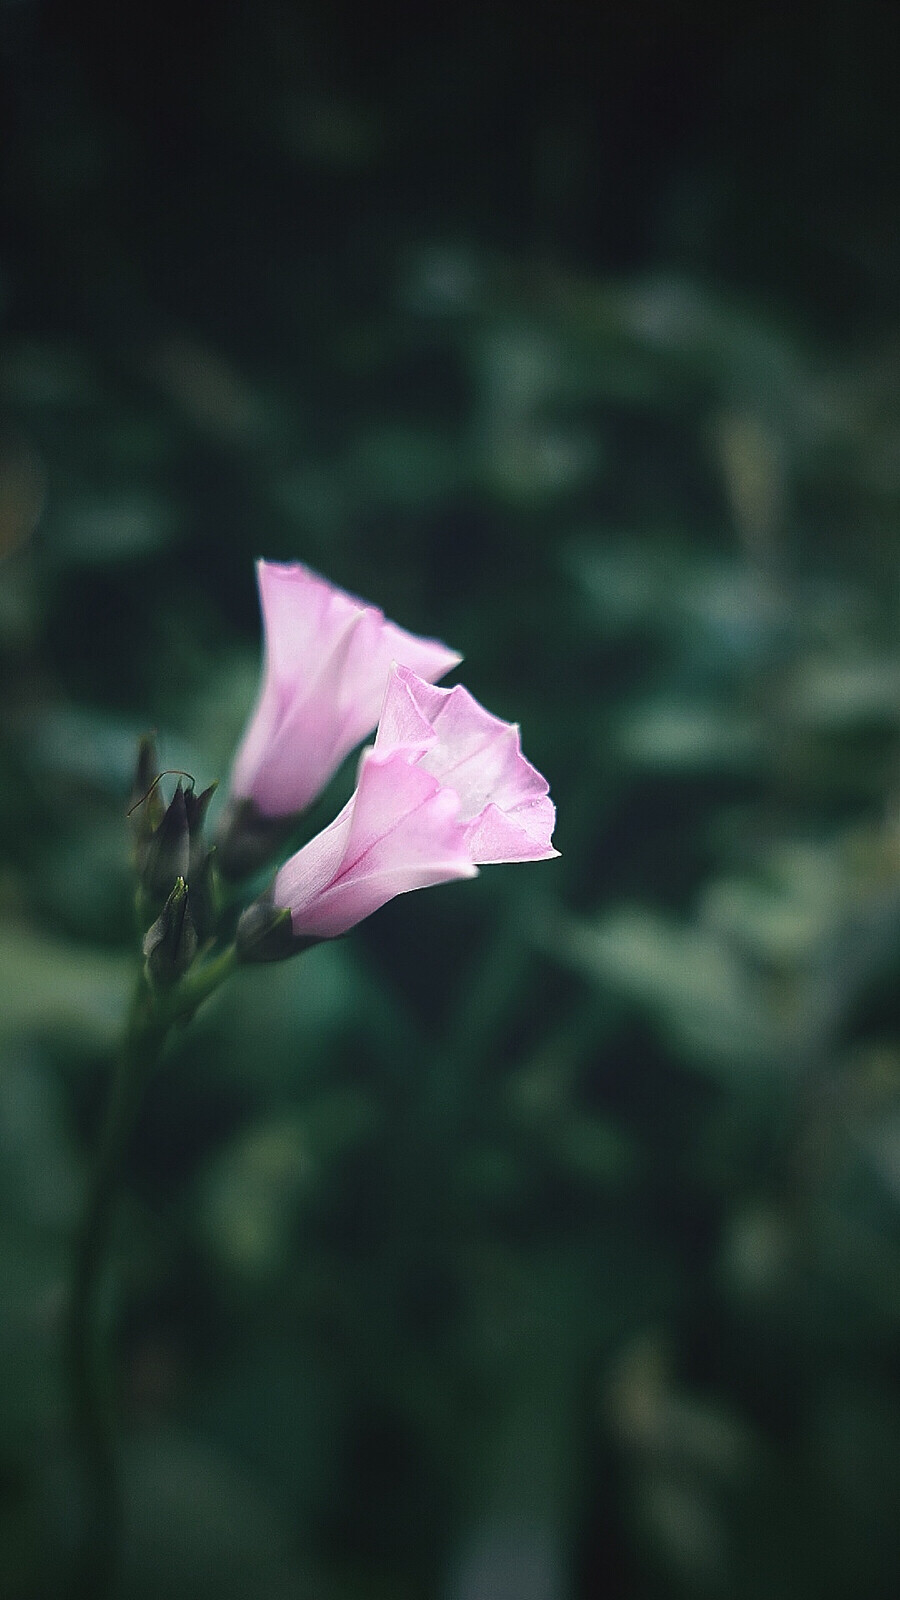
522 834
403 724
377 645
475 753
400 831
327 660
306 741
303 616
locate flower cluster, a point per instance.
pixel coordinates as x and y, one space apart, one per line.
443 788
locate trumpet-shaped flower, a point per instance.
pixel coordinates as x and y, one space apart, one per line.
444 788
327 659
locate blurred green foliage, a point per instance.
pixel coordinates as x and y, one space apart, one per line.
542 1238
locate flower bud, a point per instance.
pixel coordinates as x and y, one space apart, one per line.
171 944
196 807
165 856
264 933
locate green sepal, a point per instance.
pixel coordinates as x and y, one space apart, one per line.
196 807
264 933
166 855
171 944
145 803
205 896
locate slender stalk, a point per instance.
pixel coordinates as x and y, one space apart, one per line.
197 984
89 1354
88 1341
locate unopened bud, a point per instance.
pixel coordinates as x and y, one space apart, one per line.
264 933
171 944
196 807
205 896
145 804
165 856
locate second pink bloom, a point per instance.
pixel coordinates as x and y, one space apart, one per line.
444 788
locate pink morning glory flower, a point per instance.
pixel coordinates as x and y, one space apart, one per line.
327 659
444 788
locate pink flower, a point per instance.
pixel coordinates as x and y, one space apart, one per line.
444 787
327 659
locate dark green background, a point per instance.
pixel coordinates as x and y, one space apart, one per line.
542 1238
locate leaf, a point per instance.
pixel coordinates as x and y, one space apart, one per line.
199 1528
840 692
105 529
250 1195
51 987
33 1289
39 1175
694 985
672 734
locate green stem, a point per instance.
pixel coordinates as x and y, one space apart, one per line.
88 1344
182 1001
